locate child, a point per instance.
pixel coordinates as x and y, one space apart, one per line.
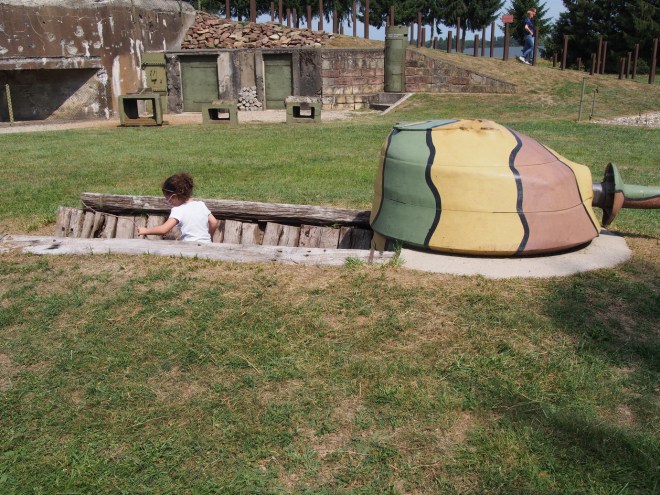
195 220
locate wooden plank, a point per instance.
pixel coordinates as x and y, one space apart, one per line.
221 252
139 222
272 234
361 238
87 225
63 220
155 221
251 234
110 227
75 224
229 209
310 236
125 228
290 236
99 223
232 232
219 234
329 238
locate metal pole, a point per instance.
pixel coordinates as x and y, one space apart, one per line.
584 87
9 105
653 61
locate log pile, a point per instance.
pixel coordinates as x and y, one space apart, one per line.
210 31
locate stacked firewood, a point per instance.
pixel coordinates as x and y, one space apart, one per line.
210 31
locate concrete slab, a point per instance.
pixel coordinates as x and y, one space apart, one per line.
606 251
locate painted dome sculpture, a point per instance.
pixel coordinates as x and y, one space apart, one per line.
476 187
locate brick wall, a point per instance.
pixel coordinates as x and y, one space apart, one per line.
428 75
351 77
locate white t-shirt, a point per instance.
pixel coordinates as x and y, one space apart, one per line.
193 218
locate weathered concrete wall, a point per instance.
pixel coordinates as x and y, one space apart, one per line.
115 32
428 75
350 78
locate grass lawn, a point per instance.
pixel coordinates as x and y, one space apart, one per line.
152 375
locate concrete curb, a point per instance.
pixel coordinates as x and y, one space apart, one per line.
605 251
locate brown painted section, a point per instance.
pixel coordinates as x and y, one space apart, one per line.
552 205
114 33
644 204
547 183
557 230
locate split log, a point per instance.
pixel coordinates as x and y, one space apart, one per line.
99 223
110 227
355 238
62 222
155 221
125 228
233 231
219 234
251 234
229 209
221 252
75 223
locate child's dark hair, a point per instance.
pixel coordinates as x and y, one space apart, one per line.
180 184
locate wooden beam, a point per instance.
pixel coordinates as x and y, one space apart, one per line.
237 210
222 252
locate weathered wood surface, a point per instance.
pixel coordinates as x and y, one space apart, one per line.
236 210
223 252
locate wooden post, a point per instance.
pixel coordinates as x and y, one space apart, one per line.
366 19
419 29
253 10
354 19
458 35
411 37
628 65
272 11
505 55
320 15
483 42
554 60
449 41
602 67
475 49
634 72
280 11
492 39
599 57
392 15
622 65
309 17
579 63
653 61
288 17
423 36
435 42
335 19
593 64
296 21
536 46
564 53
227 10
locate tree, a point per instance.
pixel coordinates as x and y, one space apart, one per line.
519 10
621 24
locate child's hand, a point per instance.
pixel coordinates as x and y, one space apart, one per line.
141 231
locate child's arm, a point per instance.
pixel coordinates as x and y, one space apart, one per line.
160 230
213 225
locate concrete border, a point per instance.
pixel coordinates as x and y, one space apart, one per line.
605 251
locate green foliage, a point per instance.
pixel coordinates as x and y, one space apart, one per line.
621 24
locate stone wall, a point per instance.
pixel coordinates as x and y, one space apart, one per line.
428 75
350 78
110 36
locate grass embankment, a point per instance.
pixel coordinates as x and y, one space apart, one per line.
155 375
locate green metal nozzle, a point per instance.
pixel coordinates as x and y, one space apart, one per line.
613 194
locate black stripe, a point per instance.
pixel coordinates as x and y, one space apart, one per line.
519 199
578 189
434 190
382 184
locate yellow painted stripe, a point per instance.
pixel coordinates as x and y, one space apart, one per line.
468 200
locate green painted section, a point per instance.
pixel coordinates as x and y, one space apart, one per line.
408 209
278 80
199 81
396 42
422 126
